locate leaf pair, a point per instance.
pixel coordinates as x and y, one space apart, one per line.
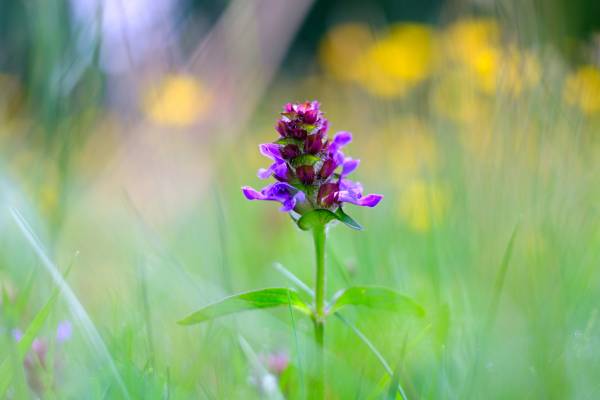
321 217
368 296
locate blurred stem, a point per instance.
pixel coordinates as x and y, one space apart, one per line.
319 319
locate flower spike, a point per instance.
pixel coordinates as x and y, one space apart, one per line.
305 162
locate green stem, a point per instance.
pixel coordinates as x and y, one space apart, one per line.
319 320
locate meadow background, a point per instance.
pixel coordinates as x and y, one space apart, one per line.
127 128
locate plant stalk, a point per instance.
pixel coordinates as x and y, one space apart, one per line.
319 320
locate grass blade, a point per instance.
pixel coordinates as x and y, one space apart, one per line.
395 386
297 345
492 310
77 310
288 274
274 392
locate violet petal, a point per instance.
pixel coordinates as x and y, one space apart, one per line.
349 166
270 150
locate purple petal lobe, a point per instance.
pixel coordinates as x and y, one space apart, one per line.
288 108
338 157
270 150
349 166
252 194
288 205
264 173
278 191
341 139
370 200
281 172
352 187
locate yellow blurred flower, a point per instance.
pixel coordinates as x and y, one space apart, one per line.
469 37
342 47
422 204
388 67
474 44
582 89
179 100
399 61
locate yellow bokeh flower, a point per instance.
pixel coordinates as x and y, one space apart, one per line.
387 67
423 204
399 61
474 45
582 89
467 38
179 100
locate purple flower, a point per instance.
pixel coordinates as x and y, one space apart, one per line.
17 334
277 362
305 162
282 192
64 331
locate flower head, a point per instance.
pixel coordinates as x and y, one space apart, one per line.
310 168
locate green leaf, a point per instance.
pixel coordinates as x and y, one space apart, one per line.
319 217
304 159
323 216
347 220
375 297
255 299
